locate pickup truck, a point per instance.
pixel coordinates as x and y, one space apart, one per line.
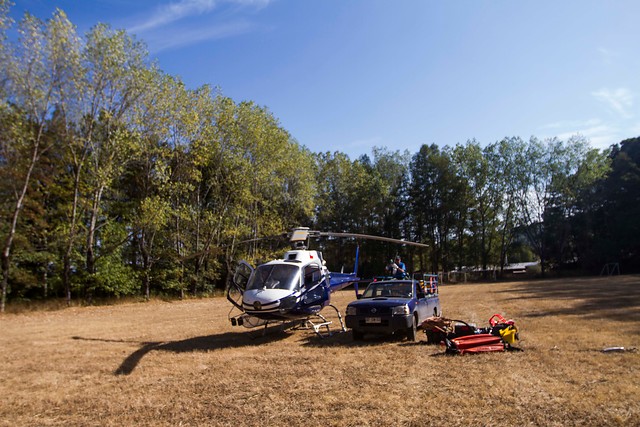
393 306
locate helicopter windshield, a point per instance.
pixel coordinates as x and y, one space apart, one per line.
275 276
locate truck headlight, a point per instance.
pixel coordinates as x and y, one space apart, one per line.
351 311
400 310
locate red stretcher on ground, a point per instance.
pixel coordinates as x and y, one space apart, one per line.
477 343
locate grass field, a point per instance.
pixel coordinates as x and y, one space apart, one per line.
182 363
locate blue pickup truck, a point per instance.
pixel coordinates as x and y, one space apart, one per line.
394 306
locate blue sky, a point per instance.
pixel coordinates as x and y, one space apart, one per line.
348 75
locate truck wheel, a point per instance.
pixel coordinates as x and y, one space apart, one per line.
412 331
357 335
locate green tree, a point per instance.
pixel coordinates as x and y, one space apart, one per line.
504 161
391 168
149 179
5 55
587 166
39 82
389 210
610 209
115 64
545 182
438 209
344 192
484 193
270 174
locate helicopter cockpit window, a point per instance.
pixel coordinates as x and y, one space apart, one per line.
312 274
275 276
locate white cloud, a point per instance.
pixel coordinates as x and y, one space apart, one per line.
619 100
365 142
159 42
600 134
172 12
608 56
185 22
356 147
361 145
599 137
572 124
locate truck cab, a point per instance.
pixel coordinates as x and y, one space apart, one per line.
394 306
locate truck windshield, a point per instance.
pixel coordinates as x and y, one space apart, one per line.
275 276
389 289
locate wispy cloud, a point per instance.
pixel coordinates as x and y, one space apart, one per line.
184 22
365 142
160 42
572 124
355 147
172 12
608 56
599 136
599 133
619 100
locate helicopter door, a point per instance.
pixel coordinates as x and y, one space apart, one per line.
313 291
239 284
241 277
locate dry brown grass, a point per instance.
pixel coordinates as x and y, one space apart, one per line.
182 363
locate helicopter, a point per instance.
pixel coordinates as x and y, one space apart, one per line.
295 288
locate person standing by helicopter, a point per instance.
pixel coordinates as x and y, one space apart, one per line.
401 271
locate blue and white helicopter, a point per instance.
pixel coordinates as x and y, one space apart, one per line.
292 289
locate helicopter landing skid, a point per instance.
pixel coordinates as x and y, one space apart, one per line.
323 323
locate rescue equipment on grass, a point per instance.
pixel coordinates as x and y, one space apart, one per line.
460 337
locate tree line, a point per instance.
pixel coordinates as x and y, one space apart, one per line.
117 179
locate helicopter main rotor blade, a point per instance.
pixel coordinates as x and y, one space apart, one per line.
301 234
370 237
242 242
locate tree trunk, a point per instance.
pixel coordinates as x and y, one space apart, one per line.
6 251
5 281
147 263
66 275
91 234
66 272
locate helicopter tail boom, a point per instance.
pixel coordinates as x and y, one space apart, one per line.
340 281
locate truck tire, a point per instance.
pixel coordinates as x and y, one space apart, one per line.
412 331
357 335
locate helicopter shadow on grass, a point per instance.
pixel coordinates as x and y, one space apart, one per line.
196 344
